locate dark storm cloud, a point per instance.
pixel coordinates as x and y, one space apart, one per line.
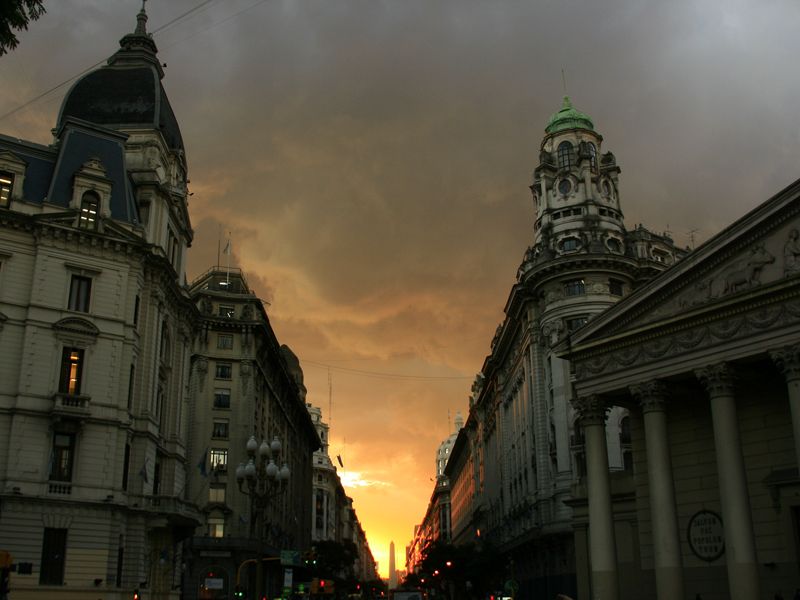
372 158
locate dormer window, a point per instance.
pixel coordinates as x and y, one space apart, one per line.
90 205
570 244
565 155
6 186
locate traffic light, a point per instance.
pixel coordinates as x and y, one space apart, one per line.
135 594
321 585
238 593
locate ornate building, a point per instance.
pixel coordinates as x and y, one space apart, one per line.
244 384
97 331
521 450
705 359
124 393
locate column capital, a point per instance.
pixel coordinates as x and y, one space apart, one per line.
718 380
651 395
591 410
787 360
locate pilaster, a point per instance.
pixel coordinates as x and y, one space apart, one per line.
788 361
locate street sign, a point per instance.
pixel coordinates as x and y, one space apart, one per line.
287 578
290 558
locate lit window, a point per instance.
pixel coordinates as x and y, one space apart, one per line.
80 290
224 371
216 527
218 458
564 155
63 457
6 185
216 494
89 207
220 430
226 311
615 287
225 341
71 371
575 287
222 398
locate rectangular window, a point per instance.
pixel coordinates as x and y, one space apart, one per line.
90 204
220 430
136 311
120 562
6 185
126 466
63 457
227 311
575 287
222 398
71 371
218 458
80 291
224 371
54 548
225 341
575 323
216 494
131 379
615 287
216 527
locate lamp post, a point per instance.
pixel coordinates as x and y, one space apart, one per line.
262 480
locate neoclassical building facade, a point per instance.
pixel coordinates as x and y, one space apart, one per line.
522 450
706 360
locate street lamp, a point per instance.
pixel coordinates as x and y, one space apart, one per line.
264 481
263 477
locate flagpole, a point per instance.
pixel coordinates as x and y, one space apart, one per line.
228 266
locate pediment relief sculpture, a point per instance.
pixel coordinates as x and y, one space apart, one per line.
76 325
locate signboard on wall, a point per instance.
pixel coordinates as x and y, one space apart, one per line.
706 535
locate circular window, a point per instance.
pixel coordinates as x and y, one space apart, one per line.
564 186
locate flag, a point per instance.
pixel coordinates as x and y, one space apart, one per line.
339 458
143 472
202 464
227 249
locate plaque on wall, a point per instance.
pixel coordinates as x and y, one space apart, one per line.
706 535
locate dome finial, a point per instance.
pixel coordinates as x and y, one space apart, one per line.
141 21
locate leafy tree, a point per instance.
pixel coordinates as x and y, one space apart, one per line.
15 15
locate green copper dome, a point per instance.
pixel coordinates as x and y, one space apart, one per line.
568 118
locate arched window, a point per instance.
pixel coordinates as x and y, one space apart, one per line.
90 204
593 156
564 155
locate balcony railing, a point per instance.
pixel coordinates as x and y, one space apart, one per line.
169 506
71 406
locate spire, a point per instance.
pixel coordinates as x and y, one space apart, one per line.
138 46
141 21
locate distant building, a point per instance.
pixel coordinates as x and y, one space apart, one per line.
243 384
521 450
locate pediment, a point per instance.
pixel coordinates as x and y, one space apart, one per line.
7 158
754 256
76 326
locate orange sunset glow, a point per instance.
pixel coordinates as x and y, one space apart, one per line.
370 161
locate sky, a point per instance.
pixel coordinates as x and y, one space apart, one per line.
370 160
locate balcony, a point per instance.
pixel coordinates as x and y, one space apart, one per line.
166 510
69 406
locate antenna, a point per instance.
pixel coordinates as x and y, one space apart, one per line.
691 236
330 398
448 420
668 232
564 81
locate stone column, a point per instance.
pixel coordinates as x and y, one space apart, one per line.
788 361
652 398
740 549
602 547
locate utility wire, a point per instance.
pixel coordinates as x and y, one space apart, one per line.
97 64
380 375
